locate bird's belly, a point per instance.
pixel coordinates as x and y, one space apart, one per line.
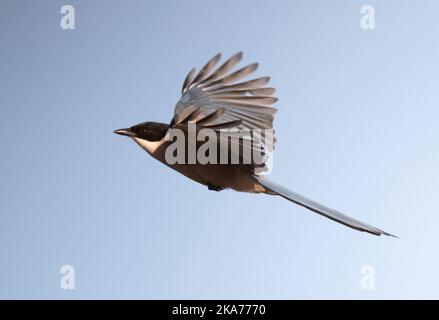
220 176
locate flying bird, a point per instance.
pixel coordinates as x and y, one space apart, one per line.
217 99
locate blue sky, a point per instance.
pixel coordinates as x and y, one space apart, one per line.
356 130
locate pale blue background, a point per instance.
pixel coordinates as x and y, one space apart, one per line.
357 129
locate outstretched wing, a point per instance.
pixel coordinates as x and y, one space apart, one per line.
215 99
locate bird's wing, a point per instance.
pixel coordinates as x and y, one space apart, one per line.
215 99
319 208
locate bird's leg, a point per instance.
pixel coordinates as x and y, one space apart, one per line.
212 187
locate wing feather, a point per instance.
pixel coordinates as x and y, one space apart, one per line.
225 67
216 99
251 84
207 68
188 80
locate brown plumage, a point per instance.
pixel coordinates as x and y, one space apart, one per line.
214 99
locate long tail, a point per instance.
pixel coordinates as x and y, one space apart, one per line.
318 208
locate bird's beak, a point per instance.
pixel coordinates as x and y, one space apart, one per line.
124 132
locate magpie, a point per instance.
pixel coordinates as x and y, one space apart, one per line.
218 100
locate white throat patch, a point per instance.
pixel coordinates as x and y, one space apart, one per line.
149 146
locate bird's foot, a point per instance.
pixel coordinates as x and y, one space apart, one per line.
214 188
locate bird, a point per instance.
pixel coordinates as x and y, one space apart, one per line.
216 98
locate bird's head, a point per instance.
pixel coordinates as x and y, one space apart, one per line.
149 131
